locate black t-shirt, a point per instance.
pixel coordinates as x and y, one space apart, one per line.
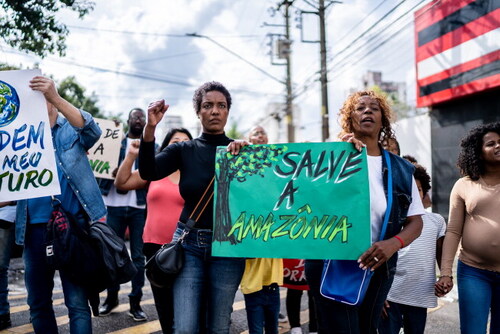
196 161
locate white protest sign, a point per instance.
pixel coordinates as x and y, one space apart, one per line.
104 155
27 161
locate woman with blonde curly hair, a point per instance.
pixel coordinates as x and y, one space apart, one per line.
366 121
474 221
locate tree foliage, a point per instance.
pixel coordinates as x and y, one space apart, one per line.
32 25
400 108
73 92
252 160
7 67
234 132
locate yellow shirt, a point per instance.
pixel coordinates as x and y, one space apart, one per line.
261 272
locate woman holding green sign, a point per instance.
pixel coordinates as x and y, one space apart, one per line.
204 289
365 120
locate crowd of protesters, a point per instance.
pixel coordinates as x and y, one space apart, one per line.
156 192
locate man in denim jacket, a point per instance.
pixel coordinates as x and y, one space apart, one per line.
72 136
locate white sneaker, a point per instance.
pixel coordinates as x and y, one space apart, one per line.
296 330
282 318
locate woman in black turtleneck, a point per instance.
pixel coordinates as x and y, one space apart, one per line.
206 284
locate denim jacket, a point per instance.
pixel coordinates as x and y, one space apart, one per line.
71 145
402 175
105 184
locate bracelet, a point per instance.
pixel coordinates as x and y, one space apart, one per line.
400 241
450 276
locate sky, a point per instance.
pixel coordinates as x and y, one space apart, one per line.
130 53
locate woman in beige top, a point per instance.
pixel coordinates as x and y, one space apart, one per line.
475 221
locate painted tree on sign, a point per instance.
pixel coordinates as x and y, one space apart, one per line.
252 160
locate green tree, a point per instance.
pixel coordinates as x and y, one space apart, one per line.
73 92
234 132
400 108
32 25
7 67
252 160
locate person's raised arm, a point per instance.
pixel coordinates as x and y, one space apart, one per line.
156 110
48 88
125 178
147 162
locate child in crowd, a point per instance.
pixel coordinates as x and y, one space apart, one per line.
412 291
262 278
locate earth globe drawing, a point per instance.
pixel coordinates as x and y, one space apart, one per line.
9 104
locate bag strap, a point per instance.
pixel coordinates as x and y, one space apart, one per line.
55 201
192 221
389 194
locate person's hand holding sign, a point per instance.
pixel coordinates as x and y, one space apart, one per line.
47 87
55 102
235 146
156 110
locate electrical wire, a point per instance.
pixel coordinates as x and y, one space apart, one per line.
360 21
347 59
143 33
376 35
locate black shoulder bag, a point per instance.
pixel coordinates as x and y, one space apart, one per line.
167 262
68 246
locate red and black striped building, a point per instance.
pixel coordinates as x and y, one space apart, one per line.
457 48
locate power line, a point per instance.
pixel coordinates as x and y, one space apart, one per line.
377 35
357 38
377 46
360 21
143 33
343 61
164 57
368 30
237 56
144 76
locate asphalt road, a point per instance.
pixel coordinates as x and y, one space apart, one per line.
443 319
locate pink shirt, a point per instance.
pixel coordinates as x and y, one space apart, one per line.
164 206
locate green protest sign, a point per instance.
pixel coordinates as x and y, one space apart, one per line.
301 200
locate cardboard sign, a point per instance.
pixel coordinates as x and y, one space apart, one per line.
104 155
299 201
27 161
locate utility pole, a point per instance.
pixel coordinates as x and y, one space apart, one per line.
320 11
325 119
283 57
289 98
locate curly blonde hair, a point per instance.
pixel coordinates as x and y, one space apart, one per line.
347 109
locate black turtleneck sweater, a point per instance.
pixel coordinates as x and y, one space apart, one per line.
196 161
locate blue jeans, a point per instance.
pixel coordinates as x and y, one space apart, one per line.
39 279
339 318
478 293
411 318
6 243
205 288
263 308
119 218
